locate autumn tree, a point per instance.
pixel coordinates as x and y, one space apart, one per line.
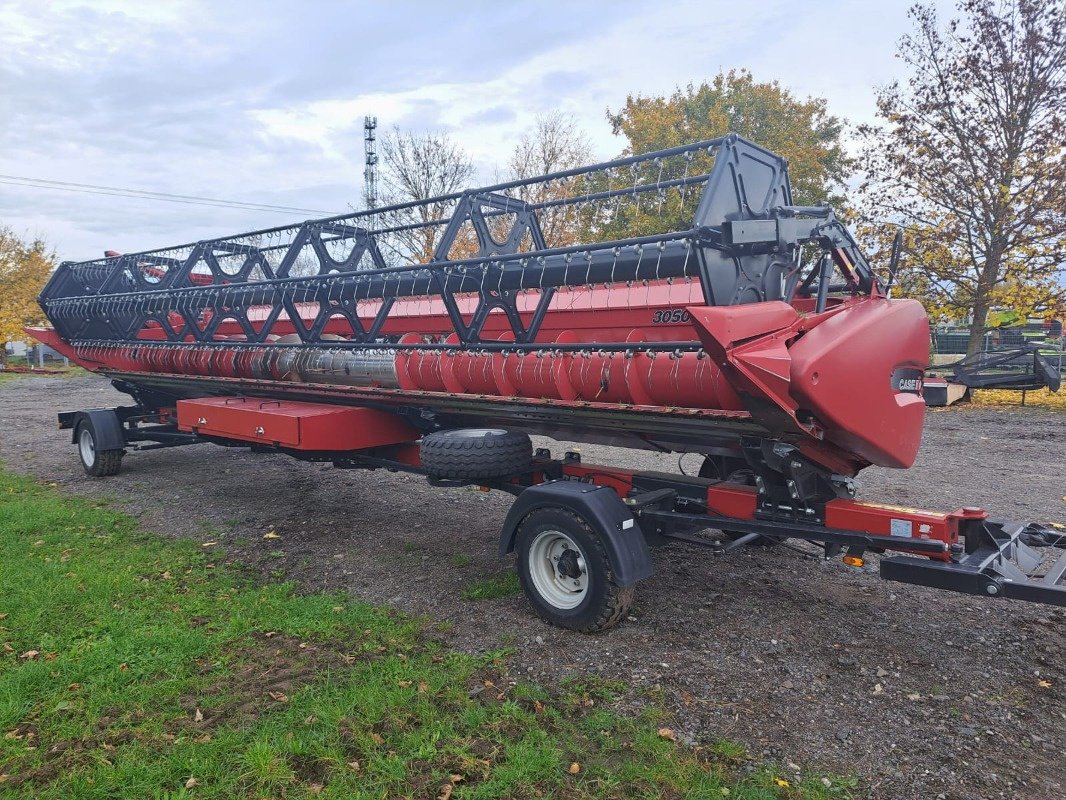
970 159
416 167
24 268
802 131
555 144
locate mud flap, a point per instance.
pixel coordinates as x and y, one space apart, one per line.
605 513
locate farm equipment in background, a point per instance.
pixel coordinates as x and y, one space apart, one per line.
1020 368
673 301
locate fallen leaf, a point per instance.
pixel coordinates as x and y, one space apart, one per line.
38 543
354 765
782 783
725 790
209 544
575 768
3 777
50 656
124 667
446 791
203 739
74 687
279 697
198 716
377 738
686 698
667 733
3 616
878 688
29 655
1044 684
311 720
404 684
271 535
338 609
8 648
456 778
914 696
538 707
315 788
189 784
166 575
423 687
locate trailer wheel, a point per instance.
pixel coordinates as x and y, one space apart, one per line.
475 453
565 573
98 463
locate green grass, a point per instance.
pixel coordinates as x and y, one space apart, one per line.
501 584
133 666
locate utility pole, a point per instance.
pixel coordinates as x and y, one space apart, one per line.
370 151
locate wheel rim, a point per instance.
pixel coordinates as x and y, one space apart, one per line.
558 569
87 447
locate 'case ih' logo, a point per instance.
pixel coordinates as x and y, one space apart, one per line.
907 379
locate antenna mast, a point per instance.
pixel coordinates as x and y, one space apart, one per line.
370 171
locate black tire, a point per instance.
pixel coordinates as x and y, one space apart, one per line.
95 462
475 454
603 603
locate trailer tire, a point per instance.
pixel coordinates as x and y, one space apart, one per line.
582 595
475 453
97 463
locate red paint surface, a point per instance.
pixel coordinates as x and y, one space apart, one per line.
300 426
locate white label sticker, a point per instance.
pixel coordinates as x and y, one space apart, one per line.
903 528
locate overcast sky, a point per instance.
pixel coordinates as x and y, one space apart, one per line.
264 101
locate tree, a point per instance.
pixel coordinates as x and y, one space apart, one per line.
24 268
802 131
417 167
970 159
555 144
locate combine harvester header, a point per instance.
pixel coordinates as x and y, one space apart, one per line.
674 301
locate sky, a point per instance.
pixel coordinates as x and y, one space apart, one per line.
263 102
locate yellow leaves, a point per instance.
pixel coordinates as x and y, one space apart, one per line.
29 655
575 768
191 783
446 789
782 783
668 734
271 535
279 697
24 268
1044 684
198 716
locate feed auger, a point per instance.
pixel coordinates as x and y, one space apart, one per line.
673 301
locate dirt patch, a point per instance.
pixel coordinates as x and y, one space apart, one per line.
807 662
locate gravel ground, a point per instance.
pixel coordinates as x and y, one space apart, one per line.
922 694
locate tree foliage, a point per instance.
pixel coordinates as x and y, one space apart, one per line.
971 159
555 144
417 167
802 131
24 268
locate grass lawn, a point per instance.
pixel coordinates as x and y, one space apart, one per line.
133 666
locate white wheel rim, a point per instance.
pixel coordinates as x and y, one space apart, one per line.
87 447
557 588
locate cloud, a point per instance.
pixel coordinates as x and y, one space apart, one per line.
264 101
